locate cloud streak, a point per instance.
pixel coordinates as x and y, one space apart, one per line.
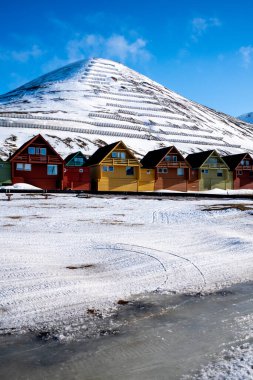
201 25
114 47
246 53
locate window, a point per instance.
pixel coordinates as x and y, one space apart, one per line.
52 169
121 155
167 158
80 170
251 173
129 170
26 167
31 150
180 171
174 158
108 168
239 172
162 170
212 161
247 162
78 161
148 171
19 166
205 171
219 173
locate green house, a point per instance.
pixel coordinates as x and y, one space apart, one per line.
209 171
5 173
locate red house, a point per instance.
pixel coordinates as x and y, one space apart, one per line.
76 174
242 167
171 169
38 164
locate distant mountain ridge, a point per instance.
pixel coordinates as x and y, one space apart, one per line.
247 117
94 102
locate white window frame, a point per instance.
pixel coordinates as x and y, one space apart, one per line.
19 166
27 167
180 172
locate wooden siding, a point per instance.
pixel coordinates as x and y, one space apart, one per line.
210 180
5 173
244 181
117 180
76 178
171 180
146 180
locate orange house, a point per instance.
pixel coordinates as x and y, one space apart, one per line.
171 169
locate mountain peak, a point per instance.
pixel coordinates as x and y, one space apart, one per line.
94 102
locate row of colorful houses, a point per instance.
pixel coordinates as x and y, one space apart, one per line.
115 168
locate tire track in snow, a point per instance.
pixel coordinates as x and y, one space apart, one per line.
119 248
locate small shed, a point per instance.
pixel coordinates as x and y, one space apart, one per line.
76 173
241 166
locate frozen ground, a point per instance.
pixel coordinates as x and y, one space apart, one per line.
65 255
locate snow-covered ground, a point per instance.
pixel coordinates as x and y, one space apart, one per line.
67 254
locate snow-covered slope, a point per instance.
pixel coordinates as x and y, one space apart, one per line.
90 103
247 117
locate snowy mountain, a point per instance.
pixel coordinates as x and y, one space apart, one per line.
247 117
93 102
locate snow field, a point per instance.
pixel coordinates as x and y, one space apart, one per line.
119 246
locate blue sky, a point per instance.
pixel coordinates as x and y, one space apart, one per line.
200 49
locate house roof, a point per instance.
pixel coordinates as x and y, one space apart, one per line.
234 160
72 155
152 158
101 153
29 142
197 159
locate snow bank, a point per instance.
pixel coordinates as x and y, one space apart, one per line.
21 186
235 364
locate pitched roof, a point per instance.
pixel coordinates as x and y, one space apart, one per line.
70 156
197 159
101 153
27 143
152 158
234 160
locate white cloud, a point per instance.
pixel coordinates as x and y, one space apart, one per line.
115 47
246 53
25 55
201 25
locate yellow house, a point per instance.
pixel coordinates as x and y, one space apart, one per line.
115 168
